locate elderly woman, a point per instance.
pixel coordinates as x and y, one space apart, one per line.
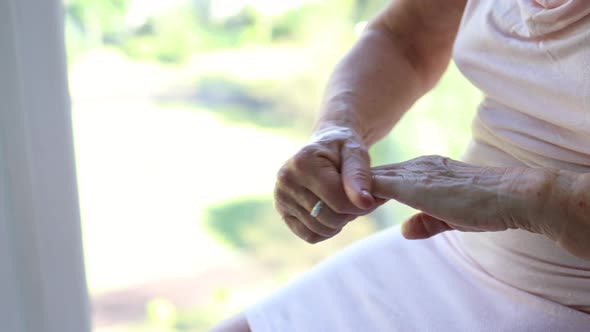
520 197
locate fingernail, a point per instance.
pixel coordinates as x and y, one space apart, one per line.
368 197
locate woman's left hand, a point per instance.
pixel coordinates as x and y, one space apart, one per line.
453 195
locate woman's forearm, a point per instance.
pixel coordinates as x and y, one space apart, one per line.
370 88
570 203
555 203
400 56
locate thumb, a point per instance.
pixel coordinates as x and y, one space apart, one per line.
356 175
423 226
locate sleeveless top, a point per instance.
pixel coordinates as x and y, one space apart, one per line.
531 60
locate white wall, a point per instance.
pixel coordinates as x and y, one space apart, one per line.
42 282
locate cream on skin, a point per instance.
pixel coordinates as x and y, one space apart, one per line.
453 195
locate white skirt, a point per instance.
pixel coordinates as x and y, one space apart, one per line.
388 283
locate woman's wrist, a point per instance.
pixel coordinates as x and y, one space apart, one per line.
530 196
340 118
570 221
554 203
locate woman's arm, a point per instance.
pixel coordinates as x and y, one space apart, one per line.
555 203
400 56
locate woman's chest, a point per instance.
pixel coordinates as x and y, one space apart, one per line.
533 56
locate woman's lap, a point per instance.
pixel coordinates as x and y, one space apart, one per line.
388 283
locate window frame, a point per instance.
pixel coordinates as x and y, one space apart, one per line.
42 278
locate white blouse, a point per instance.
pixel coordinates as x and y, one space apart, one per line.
531 59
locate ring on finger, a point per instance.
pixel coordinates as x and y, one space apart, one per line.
317 208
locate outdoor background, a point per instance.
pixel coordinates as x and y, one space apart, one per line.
183 112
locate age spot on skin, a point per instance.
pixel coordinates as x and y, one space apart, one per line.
581 204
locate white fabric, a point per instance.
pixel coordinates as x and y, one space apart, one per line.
531 59
387 283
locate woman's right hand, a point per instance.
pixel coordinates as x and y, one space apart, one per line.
333 167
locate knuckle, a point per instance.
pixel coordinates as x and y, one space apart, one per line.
358 147
340 207
358 174
357 155
283 176
309 150
299 163
279 194
312 156
445 162
426 179
433 157
438 163
280 210
302 159
425 160
428 160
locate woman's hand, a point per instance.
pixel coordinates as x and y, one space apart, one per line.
450 194
334 168
453 195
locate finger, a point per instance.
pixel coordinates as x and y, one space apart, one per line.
307 200
423 226
400 187
328 190
356 175
327 186
385 168
316 170
302 231
293 208
407 188
328 219
458 193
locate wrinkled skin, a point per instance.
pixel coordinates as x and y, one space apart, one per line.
453 195
332 167
450 194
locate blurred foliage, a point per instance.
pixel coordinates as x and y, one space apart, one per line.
286 105
251 226
245 225
226 96
169 38
100 19
173 34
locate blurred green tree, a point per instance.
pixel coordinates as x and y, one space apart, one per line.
365 9
99 20
171 35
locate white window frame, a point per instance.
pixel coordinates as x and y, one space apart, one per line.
42 280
